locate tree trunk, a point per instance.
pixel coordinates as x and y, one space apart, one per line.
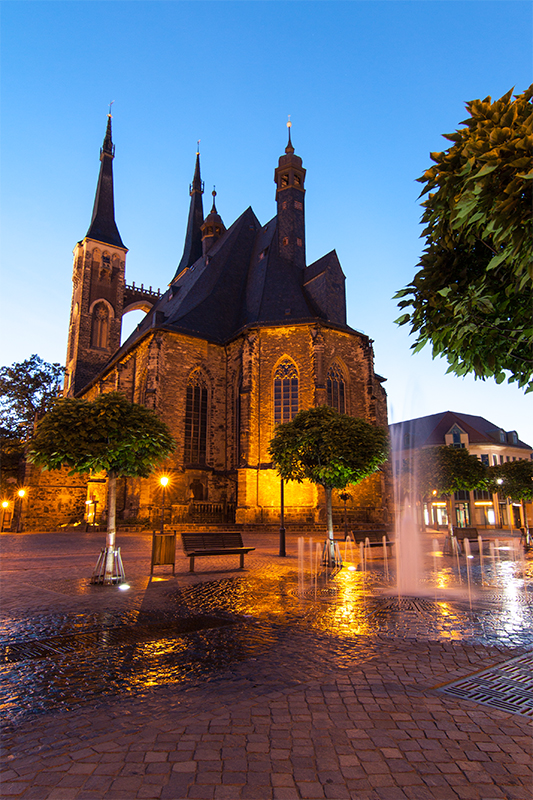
111 523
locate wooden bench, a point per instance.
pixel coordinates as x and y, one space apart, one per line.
459 534
375 538
213 544
465 533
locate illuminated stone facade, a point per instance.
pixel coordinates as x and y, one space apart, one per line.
246 335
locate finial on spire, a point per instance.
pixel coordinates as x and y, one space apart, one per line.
289 149
198 147
109 112
214 209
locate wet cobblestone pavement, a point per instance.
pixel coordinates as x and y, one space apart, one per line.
262 683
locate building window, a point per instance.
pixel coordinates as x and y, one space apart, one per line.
336 389
284 181
299 242
285 241
285 392
494 460
298 205
485 459
297 180
196 420
100 326
456 437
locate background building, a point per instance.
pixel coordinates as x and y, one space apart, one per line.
491 444
246 335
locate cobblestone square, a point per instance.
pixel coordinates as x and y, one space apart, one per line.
262 683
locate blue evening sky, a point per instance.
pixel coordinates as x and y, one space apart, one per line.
371 86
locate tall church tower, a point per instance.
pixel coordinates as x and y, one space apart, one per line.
98 280
289 177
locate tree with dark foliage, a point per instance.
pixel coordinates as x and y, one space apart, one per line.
328 449
108 435
472 297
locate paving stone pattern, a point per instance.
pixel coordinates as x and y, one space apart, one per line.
245 685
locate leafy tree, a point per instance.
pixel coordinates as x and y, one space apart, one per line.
516 479
27 389
443 470
472 296
328 449
447 469
108 434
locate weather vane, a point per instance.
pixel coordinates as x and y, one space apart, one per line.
289 123
198 147
110 104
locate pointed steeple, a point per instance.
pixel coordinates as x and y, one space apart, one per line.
103 227
192 249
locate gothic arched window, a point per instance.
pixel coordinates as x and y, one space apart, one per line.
336 389
196 420
285 392
100 326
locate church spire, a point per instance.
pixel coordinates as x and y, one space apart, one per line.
192 249
103 227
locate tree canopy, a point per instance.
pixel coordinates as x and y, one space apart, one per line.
27 388
108 434
472 296
516 479
329 449
446 469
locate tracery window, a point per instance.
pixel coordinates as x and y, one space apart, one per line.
196 420
336 389
285 392
100 326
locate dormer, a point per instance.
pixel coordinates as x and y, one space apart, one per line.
456 437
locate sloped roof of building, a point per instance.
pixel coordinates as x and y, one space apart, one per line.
243 281
431 430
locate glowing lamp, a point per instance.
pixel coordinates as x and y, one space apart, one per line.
21 493
5 503
163 480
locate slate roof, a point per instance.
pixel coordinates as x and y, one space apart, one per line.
243 281
103 227
431 430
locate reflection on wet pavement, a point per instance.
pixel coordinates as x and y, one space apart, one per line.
282 622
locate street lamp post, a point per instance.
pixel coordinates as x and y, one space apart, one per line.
21 494
344 496
5 506
282 520
163 480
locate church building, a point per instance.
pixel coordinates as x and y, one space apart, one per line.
246 335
